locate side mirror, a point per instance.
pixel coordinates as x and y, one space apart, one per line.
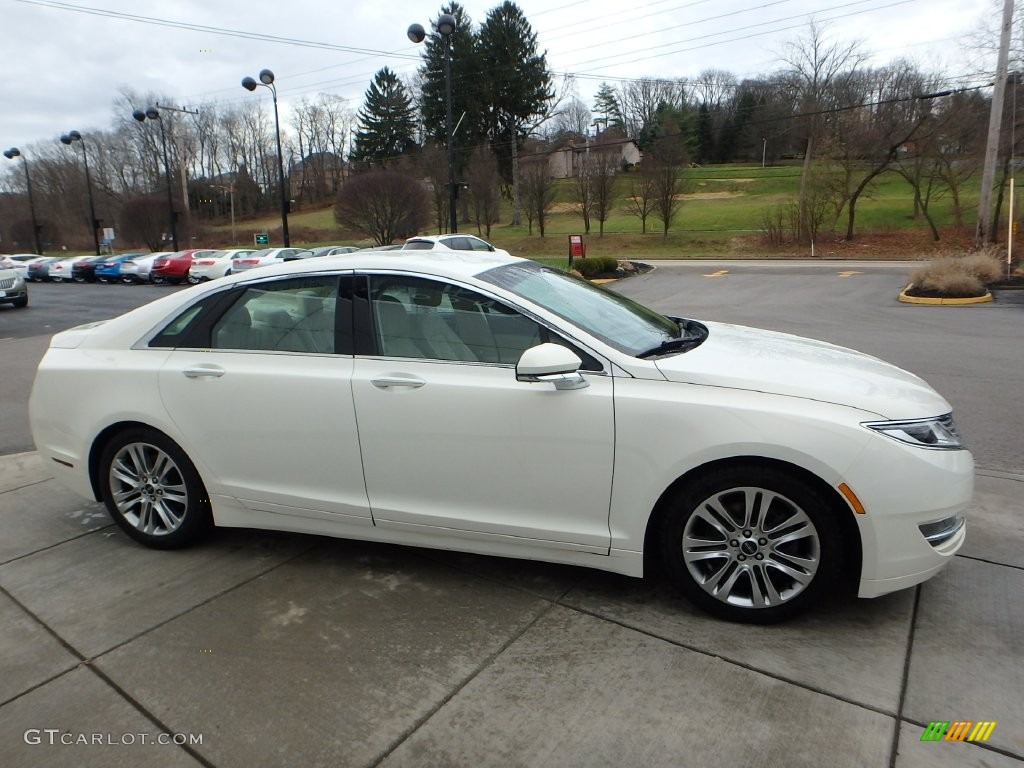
551 364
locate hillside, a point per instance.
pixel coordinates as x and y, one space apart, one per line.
722 214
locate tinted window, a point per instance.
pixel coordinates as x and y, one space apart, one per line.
428 319
418 245
629 327
295 315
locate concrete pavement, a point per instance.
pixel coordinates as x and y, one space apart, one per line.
284 650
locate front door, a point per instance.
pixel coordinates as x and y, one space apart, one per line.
451 440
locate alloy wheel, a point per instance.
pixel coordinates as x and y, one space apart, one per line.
751 547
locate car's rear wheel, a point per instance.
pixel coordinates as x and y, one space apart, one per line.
751 543
152 490
194 280
57 279
127 280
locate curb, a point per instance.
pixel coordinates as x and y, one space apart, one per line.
987 298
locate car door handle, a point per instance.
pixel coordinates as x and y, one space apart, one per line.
386 382
203 370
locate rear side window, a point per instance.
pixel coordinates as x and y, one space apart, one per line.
181 329
294 315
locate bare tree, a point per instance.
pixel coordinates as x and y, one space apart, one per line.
604 179
642 191
573 119
583 189
894 116
144 220
384 205
817 66
484 189
538 189
667 157
642 98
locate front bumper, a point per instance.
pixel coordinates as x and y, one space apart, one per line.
909 494
17 293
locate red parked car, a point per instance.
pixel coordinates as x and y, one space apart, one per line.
174 268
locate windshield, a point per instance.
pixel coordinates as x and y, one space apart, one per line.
619 322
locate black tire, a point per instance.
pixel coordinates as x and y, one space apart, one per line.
57 279
20 303
127 280
166 510
194 280
748 561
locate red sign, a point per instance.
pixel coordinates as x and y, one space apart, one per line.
577 250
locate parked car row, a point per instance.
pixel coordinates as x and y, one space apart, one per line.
197 265
194 265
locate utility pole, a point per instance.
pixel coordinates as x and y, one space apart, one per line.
995 119
183 171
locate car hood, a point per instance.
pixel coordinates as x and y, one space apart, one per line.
766 361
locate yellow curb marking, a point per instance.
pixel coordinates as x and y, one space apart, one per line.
850 273
719 273
942 302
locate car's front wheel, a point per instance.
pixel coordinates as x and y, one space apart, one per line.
751 543
152 490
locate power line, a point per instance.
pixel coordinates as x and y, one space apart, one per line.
261 36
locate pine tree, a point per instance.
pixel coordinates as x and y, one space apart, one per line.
608 107
387 121
517 84
467 110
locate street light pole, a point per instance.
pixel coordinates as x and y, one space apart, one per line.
67 139
10 154
267 81
154 114
445 28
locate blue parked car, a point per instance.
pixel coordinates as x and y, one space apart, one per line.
109 270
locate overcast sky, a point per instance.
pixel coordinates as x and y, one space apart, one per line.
64 68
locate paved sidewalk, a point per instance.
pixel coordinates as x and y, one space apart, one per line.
287 650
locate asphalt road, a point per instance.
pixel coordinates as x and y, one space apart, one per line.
971 355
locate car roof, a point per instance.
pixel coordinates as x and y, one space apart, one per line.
451 264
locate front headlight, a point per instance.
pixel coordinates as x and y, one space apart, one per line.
936 432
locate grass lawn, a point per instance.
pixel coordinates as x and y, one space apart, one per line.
722 213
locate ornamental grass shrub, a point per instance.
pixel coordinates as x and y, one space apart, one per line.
958 276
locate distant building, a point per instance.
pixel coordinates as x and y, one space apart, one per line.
566 161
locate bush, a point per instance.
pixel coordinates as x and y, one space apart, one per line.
596 265
957 277
987 267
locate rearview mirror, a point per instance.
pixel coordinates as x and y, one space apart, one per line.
551 364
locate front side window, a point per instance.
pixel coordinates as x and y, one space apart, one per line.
294 315
619 322
420 318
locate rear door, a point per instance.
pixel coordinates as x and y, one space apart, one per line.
265 399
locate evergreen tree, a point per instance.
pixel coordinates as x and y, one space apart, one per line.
466 86
608 107
517 84
387 121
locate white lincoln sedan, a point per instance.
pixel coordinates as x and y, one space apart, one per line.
479 402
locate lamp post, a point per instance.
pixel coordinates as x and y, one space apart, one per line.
267 81
154 114
68 139
445 28
10 154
